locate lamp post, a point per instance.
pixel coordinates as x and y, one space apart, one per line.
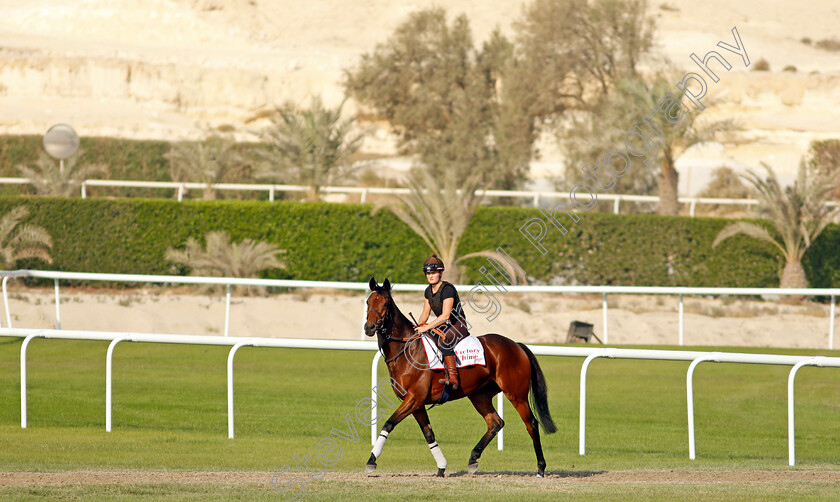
61 142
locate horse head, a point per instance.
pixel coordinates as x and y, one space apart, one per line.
379 307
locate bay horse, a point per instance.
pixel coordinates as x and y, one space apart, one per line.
510 368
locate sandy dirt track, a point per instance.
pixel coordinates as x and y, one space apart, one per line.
529 318
18 479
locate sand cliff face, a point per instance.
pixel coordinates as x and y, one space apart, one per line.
170 69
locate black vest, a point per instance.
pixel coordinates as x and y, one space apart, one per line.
446 290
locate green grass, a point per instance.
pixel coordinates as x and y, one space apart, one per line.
170 413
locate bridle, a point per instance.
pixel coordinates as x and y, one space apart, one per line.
381 320
382 332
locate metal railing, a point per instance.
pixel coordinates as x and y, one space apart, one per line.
590 353
658 355
536 197
680 292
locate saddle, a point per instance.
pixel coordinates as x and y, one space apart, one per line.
468 352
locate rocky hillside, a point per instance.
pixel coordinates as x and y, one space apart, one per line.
173 68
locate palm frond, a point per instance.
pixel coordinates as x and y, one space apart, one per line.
219 257
308 146
750 229
439 210
48 179
19 241
514 274
797 212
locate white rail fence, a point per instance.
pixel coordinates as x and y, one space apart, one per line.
680 292
590 353
536 197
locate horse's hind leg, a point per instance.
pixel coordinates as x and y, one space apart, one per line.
483 402
423 420
533 427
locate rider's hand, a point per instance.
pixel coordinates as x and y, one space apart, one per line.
421 328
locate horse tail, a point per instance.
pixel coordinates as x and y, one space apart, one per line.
539 393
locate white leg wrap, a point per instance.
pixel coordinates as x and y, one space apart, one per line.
380 443
438 454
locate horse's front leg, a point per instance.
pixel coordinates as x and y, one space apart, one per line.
408 406
423 420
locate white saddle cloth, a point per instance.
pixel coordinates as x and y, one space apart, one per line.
468 352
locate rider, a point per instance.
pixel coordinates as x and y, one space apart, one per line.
442 299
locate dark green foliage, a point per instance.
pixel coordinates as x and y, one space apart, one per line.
444 98
125 159
578 50
822 261
626 250
824 157
345 242
339 242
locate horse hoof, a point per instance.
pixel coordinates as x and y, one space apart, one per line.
472 468
440 473
541 474
369 468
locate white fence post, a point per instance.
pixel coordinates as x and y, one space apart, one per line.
374 396
831 325
230 383
583 369
6 301
500 408
817 361
682 322
109 364
689 386
57 307
23 348
606 329
227 311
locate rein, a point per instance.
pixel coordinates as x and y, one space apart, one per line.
406 342
382 329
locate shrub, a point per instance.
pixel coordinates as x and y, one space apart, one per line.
832 45
761 65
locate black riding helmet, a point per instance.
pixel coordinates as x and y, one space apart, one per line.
433 264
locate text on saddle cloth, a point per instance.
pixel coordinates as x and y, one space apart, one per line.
468 352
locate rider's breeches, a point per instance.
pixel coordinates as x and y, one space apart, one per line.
452 334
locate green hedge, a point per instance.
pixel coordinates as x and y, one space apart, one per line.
126 159
341 242
346 242
627 250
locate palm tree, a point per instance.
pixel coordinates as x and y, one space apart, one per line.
50 180
639 98
441 214
221 258
213 160
798 213
20 241
309 147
